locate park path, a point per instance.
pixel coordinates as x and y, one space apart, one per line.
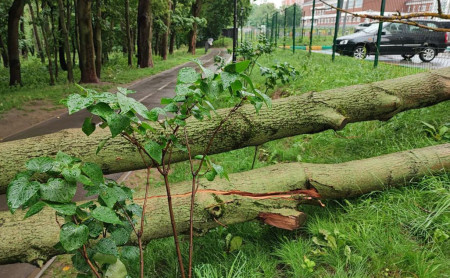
149 92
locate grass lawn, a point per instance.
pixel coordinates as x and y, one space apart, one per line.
396 233
116 71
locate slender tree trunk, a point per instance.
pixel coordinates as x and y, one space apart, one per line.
130 49
195 11
98 38
36 34
14 14
87 52
155 46
56 41
61 50
65 36
172 32
307 113
144 24
274 199
165 36
45 33
77 35
4 52
24 48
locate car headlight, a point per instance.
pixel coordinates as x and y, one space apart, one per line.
344 42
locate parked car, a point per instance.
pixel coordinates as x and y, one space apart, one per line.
363 26
396 39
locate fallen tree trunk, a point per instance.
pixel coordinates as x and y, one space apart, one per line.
271 194
307 113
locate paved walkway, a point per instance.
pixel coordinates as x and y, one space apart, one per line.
149 91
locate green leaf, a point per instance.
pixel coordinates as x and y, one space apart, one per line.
88 126
171 107
153 114
19 192
188 75
235 243
154 150
40 164
71 174
65 209
106 215
116 270
211 175
125 103
237 67
80 264
101 145
117 123
165 100
94 172
219 170
84 180
35 209
125 91
76 102
101 109
58 190
267 100
236 85
104 258
109 197
73 236
135 209
120 236
107 246
95 228
64 158
105 97
228 79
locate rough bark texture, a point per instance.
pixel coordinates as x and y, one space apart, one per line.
130 49
308 113
271 193
87 53
173 32
144 24
14 14
165 36
195 11
4 53
45 33
66 41
98 38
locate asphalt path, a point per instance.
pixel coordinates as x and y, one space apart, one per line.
442 60
149 92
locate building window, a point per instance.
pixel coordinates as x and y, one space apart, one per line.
358 3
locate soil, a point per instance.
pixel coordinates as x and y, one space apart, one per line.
35 112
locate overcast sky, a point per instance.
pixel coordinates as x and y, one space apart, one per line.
276 2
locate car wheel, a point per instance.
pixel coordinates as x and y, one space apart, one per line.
360 52
427 54
407 56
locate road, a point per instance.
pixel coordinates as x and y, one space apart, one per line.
441 61
149 92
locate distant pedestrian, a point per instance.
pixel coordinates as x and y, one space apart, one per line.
208 44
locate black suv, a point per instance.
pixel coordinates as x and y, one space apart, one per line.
397 39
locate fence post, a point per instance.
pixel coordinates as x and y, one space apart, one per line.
293 30
312 26
380 28
284 30
336 28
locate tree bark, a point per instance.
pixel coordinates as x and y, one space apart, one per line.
87 52
24 48
14 14
4 53
246 196
130 48
144 23
36 34
56 41
98 38
307 113
45 34
165 36
195 11
172 32
65 35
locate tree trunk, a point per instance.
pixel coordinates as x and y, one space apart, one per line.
144 23
14 14
307 113
65 36
130 49
165 36
56 41
45 34
36 35
273 198
98 38
195 11
155 46
87 53
4 52
173 32
24 48
61 50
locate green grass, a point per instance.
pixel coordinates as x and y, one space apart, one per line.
116 71
382 234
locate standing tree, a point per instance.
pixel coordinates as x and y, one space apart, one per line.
87 52
45 34
66 41
36 34
144 22
4 53
130 48
14 14
98 37
195 12
165 36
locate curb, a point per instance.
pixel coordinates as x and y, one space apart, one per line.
314 47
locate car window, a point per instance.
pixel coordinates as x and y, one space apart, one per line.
394 28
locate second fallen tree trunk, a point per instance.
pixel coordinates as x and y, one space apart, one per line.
308 113
271 194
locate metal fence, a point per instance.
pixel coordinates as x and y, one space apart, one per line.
316 27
